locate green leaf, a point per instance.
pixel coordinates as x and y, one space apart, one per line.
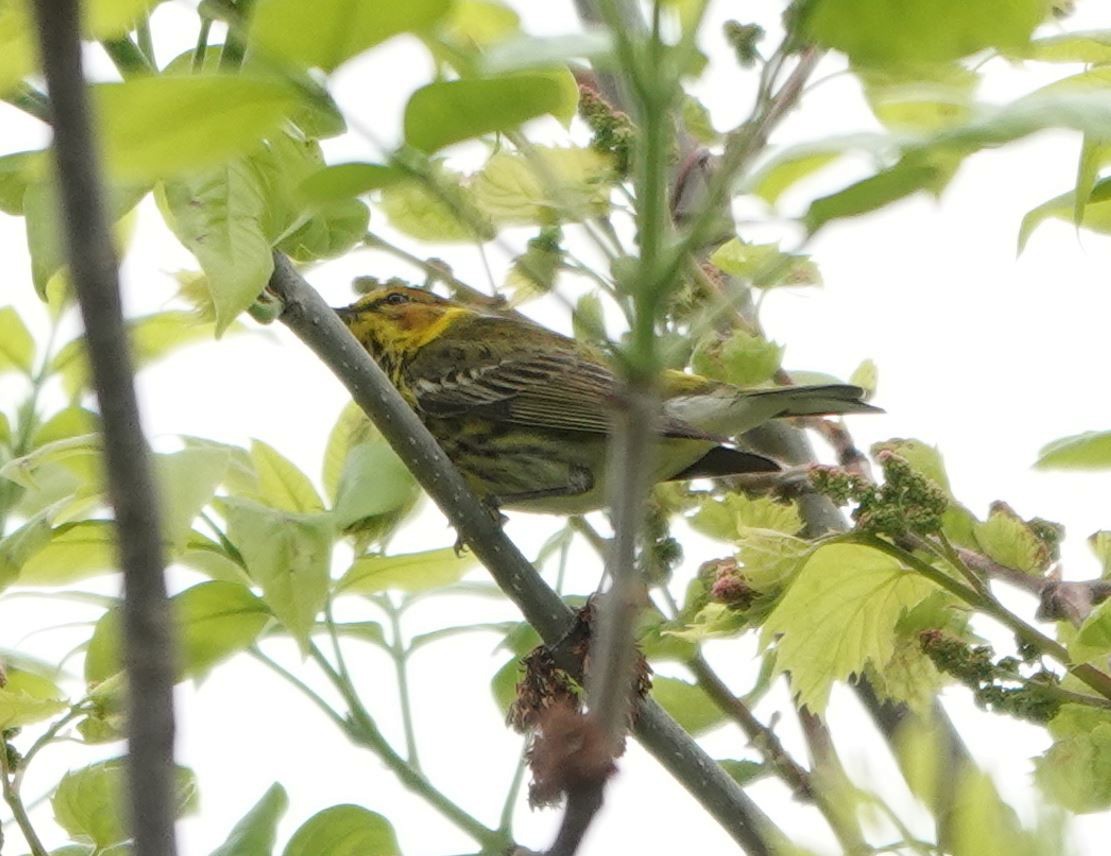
215 620
79 458
791 165
1093 638
1009 540
344 830
17 347
765 265
44 242
1100 542
17 170
838 616
504 684
920 99
26 698
865 376
255 833
910 175
107 19
74 552
157 126
477 23
436 208
345 181
742 358
330 231
16 44
451 111
523 52
187 481
66 423
218 215
547 185
735 516
688 704
289 555
744 773
1091 47
327 33
1076 771
152 337
1095 152
281 484
89 805
101 19
901 32
1094 212
212 621
352 428
408 572
374 482
1088 451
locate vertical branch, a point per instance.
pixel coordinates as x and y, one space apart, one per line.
93 269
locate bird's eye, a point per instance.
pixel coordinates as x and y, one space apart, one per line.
396 299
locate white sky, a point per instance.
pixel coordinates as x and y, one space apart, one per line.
985 355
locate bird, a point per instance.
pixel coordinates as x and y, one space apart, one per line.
525 412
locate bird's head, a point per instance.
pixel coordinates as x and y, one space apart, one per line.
397 317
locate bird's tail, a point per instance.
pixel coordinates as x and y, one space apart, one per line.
725 411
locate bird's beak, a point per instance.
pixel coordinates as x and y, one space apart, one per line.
346 313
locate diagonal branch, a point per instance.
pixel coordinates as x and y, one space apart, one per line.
93 270
313 321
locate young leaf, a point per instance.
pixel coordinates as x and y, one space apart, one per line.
765 265
88 803
255 833
1088 451
344 830
26 698
742 359
839 615
280 483
447 112
436 208
1094 212
1011 541
17 348
218 215
374 483
289 555
326 33
330 231
408 572
546 185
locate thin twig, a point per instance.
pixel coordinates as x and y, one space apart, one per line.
93 270
15 803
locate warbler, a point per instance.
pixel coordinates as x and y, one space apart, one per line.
524 412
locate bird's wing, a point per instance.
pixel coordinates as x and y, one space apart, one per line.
539 380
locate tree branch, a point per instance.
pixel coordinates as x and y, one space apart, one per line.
313 321
93 269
